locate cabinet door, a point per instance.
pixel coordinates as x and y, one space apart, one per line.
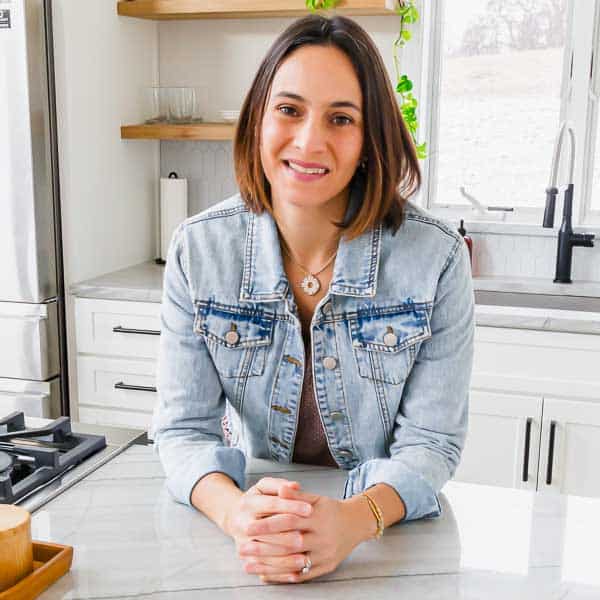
117 327
116 391
502 446
570 448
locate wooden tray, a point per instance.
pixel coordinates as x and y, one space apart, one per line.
50 562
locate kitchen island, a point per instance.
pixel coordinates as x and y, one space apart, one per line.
131 539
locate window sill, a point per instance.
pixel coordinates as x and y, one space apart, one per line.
495 228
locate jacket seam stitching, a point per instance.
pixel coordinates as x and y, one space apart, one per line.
450 257
225 212
441 226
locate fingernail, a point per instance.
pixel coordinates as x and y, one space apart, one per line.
306 510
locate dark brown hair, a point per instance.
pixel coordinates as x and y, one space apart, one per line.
380 190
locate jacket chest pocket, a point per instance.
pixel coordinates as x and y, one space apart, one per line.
384 341
237 337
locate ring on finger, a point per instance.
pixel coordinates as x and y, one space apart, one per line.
307 565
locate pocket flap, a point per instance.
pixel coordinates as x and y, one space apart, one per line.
390 329
233 326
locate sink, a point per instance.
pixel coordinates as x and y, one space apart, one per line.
547 301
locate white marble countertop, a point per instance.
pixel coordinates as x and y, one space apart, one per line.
131 539
537 285
143 283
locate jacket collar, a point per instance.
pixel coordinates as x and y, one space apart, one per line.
354 272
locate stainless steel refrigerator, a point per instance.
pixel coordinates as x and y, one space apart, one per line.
33 356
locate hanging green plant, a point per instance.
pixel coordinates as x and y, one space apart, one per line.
408 13
320 4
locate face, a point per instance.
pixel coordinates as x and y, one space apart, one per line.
312 119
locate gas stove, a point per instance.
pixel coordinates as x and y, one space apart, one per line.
40 458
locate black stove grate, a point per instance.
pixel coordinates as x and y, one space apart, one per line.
40 455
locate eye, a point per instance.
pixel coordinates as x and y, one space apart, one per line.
284 109
348 120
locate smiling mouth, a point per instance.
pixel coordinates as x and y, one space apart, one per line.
304 171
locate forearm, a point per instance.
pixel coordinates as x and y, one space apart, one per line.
388 501
214 495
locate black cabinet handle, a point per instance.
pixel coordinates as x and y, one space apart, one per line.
527 444
139 388
119 329
550 453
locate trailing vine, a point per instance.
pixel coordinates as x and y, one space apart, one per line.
408 13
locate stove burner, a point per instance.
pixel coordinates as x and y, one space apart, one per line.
30 458
6 462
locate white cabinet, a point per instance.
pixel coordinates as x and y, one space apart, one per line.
117 348
570 448
118 328
534 417
502 446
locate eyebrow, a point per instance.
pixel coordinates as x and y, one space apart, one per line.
336 104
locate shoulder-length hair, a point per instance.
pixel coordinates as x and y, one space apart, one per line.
392 169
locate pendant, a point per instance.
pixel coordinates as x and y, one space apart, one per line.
310 284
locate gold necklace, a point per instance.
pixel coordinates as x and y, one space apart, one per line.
310 284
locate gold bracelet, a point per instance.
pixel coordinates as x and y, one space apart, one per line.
376 513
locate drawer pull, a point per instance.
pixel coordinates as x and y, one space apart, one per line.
119 329
550 453
527 444
139 388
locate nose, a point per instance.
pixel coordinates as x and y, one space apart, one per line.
310 136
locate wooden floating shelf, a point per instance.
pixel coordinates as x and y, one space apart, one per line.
162 131
244 9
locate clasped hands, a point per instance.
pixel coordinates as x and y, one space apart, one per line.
275 527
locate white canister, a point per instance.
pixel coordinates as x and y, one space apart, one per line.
173 208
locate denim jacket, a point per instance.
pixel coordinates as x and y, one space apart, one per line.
392 344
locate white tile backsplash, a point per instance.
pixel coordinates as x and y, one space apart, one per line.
529 256
208 166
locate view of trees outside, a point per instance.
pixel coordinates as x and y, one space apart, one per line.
500 99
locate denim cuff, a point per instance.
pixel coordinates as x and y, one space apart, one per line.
221 459
420 500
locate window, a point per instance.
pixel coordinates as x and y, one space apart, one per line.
504 74
593 197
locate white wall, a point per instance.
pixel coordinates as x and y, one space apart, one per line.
224 54
108 186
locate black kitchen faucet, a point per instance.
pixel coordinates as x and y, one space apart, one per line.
567 239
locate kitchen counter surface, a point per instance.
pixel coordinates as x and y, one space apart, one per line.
143 283
131 539
139 283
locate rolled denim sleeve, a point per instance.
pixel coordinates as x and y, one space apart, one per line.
431 424
186 423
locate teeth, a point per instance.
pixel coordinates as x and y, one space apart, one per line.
305 170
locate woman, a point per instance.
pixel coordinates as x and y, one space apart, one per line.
318 315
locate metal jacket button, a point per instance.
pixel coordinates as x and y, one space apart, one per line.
344 452
329 362
327 308
390 339
336 415
232 337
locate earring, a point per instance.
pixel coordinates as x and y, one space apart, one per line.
363 163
